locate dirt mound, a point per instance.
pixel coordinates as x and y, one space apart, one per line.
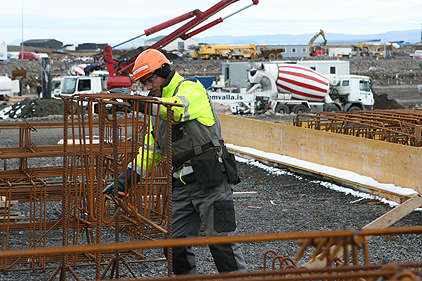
383 101
32 108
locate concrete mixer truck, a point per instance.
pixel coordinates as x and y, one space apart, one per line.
293 88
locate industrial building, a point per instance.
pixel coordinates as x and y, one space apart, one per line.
90 47
44 43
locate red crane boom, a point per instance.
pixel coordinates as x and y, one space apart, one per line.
119 70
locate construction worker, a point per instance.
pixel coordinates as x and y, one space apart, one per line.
39 90
204 172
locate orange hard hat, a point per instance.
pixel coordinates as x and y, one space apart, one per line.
147 62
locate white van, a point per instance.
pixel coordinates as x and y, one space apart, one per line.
418 54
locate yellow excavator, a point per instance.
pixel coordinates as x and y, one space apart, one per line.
361 49
311 48
389 48
217 52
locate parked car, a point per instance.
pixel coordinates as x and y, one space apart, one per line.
29 56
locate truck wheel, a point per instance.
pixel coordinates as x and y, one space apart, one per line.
282 109
279 56
331 108
271 56
299 109
353 108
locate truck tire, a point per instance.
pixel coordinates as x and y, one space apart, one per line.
271 56
299 109
282 109
353 108
331 108
279 56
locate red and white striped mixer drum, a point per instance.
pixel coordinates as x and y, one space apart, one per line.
302 82
78 69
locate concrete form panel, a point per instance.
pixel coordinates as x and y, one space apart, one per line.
383 161
265 136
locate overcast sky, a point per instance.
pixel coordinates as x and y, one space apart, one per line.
112 22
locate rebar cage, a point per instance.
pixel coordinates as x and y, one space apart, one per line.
102 135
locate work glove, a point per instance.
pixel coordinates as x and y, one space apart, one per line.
109 190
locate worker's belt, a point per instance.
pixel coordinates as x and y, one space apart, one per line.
199 149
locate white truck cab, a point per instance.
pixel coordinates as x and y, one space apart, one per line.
56 86
354 91
81 85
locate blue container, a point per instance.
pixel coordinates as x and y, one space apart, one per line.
205 80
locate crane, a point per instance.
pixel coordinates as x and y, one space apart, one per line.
311 49
119 69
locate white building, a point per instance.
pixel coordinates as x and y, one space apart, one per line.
326 67
177 44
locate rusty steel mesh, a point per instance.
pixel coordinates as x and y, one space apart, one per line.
397 126
101 136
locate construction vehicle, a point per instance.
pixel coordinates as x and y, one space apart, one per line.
82 85
56 86
312 51
361 50
297 89
217 52
385 50
271 53
120 69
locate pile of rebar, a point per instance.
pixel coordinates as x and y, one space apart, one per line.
396 126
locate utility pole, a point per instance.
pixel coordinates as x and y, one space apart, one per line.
22 32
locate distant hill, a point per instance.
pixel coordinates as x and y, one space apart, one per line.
407 36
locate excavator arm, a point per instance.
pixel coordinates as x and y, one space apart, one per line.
311 42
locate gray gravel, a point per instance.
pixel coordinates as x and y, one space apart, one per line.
284 202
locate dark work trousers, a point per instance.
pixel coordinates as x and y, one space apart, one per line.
214 207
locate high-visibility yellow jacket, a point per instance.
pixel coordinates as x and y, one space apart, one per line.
198 123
